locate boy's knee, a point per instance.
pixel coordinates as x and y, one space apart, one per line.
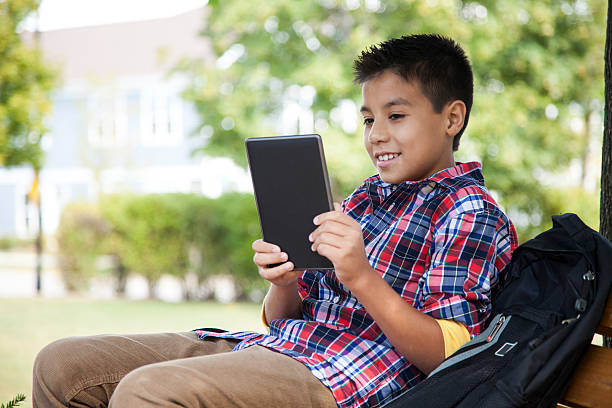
54 369
146 383
163 384
53 359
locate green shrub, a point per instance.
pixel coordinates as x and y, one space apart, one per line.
233 226
10 243
158 234
221 232
148 234
80 238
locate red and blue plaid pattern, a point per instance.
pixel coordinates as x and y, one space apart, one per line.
440 243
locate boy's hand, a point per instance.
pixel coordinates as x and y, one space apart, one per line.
339 238
267 254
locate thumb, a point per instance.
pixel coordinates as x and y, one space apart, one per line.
337 207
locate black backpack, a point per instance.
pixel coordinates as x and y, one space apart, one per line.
544 313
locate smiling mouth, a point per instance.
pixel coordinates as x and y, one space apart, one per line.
387 156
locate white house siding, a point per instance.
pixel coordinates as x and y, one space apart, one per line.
118 123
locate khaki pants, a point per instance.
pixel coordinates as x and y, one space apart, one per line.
170 370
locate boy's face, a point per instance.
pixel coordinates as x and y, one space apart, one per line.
405 138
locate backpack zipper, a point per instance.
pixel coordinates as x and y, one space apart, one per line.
496 328
567 322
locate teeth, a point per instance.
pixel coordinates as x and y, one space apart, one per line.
386 157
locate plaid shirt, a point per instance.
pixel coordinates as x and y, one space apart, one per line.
439 242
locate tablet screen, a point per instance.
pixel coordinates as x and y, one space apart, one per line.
291 187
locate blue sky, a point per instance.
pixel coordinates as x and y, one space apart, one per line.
58 14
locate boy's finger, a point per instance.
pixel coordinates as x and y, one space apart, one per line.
286 278
327 251
331 226
332 215
266 258
262 246
277 271
328 239
337 207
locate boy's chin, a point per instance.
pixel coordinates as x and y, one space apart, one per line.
397 179
390 179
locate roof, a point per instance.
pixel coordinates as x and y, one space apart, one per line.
126 49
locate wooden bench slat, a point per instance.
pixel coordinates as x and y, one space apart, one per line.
605 324
604 331
591 384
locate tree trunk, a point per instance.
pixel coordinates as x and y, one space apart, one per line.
605 219
121 276
606 162
152 284
586 143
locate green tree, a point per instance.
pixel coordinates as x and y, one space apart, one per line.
537 67
25 83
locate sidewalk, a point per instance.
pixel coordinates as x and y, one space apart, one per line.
18 279
18 275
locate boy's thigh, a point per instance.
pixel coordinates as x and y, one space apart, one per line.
71 365
127 352
254 377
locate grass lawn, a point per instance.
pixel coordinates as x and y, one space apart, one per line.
26 325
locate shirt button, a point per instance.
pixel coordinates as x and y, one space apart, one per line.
336 299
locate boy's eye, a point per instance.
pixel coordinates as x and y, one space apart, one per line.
396 116
368 121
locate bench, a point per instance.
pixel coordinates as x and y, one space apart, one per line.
591 384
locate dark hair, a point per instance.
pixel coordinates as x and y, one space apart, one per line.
438 63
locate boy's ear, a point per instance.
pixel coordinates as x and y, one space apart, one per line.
455 117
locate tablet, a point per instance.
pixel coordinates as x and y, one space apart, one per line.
291 187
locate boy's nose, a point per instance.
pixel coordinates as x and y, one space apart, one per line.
377 135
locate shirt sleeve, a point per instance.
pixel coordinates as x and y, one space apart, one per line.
467 253
455 335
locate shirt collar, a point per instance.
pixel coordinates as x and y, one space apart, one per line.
469 169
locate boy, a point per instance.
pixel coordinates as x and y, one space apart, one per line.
416 250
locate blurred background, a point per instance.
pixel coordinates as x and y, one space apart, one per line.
125 201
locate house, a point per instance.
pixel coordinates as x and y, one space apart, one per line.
118 121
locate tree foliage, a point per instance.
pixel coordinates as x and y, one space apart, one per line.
25 84
537 67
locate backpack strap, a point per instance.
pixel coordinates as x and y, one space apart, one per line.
577 229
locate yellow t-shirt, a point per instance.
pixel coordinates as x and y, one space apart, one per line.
455 334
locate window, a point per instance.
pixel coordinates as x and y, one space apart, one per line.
161 118
106 119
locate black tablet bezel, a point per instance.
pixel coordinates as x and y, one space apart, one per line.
314 261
